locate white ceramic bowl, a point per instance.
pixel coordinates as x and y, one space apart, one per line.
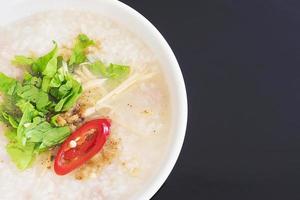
16 9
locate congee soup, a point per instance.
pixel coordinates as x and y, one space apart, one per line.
85 110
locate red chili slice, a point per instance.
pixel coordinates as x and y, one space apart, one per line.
81 145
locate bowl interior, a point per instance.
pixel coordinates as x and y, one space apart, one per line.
136 23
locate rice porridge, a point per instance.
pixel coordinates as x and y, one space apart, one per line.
140 114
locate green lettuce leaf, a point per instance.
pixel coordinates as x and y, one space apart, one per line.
53 120
70 99
29 93
55 136
117 71
113 71
29 112
59 106
79 50
8 106
14 122
11 135
57 80
46 84
32 91
98 68
21 155
22 61
42 63
7 84
34 95
65 89
32 80
51 67
37 130
31 105
42 101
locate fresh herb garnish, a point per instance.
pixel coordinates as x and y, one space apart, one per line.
31 106
31 133
113 71
79 51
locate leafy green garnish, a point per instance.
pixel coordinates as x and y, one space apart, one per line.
46 63
11 120
32 134
21 155
46 89
34 95
46 84
40 131
73 95
53 120
57 80
7 84
98 68
113 71
22 61
78 53
32 80
29 112
11 134
51 67
65 89
54 136
31 106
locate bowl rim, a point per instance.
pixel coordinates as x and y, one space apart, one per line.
182 108
173 156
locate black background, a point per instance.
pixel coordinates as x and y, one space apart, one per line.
241 63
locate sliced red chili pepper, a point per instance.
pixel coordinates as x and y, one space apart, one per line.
82 145
79 149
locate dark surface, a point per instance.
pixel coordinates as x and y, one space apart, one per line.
241 63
